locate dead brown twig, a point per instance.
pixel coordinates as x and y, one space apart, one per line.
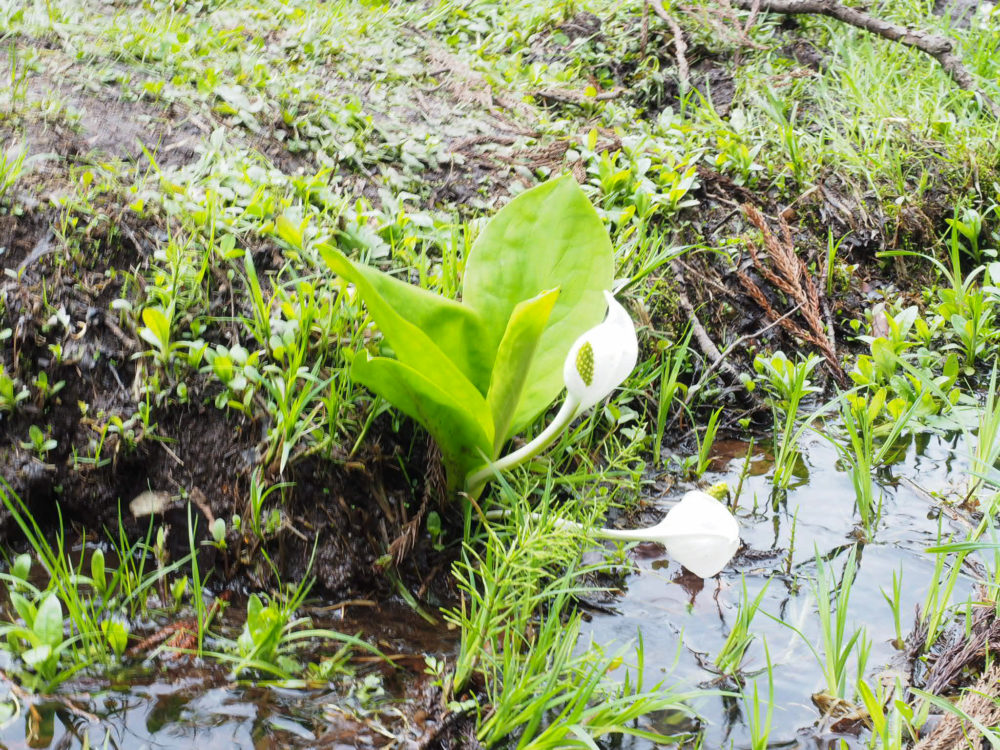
434 490
704 341
981 702
680 46
563 96
723 18
963 650
939 47
787 272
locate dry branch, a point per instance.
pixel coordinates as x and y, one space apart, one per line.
434 491
939 47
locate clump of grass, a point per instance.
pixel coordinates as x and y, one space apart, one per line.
729 660
520 632
788 384
11 168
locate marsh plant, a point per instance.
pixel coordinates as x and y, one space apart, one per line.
788 384
520 633
273 635
729 660
73 615
477 372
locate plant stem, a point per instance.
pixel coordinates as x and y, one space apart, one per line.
599 532
532 449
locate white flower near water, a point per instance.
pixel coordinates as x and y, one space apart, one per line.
597 363
699 532
601 358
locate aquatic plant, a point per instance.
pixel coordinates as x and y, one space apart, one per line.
273 635
521 638
596 364
788 384
476 372
729 660
699 533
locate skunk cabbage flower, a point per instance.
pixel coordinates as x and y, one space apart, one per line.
597 363
699 533
601 358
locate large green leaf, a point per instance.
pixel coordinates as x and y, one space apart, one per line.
514 357
549 236
454 328
411 345
463 429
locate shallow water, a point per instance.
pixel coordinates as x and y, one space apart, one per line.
675 610
684 622
185 705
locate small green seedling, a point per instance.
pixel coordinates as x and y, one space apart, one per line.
39 640
98 575
434 529
44 390
218 530
38 443
11 392
116 634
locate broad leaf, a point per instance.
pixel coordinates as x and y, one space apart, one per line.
97 574
22 565
25 609
34 657
254 608
548 236
463 429
454 327
410 343
514 358
116 635
157 325
49 621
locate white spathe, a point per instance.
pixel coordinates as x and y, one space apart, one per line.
699 532
597 363
614 350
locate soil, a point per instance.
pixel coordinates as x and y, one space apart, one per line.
192 448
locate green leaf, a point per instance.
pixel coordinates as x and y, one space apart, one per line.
549 236
423 372
49 621
288 231
454 328
97 575
25 609
254 608
21 567
884 356
33 657
116 635
514 357
462 429
157 330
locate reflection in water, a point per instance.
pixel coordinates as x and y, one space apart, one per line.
783 532
198 706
